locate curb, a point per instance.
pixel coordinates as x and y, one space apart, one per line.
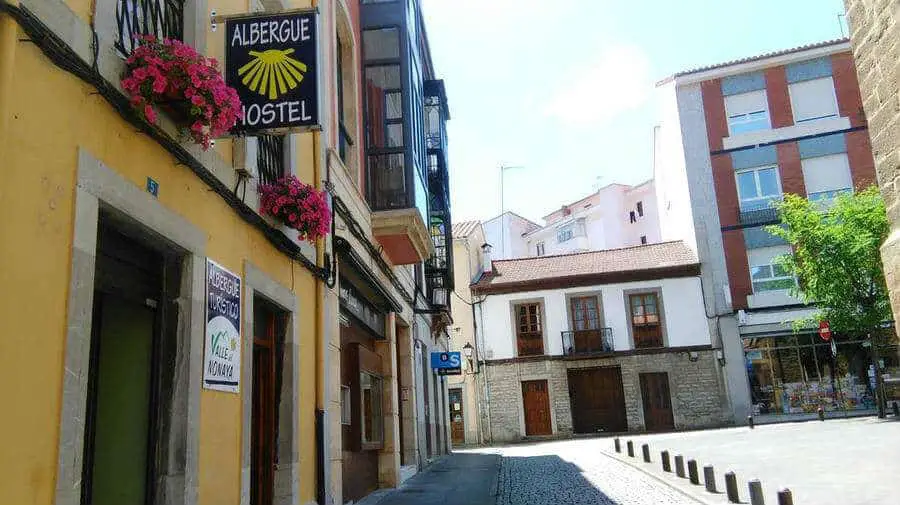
659 479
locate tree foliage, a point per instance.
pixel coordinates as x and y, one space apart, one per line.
836 258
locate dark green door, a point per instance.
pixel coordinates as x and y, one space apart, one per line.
122 418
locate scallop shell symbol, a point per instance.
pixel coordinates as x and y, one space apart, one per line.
272 72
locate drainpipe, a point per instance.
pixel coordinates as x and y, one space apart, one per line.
320 156
8 30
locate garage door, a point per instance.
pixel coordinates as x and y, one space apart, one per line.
598 402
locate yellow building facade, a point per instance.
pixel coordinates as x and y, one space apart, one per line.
109 227
126 245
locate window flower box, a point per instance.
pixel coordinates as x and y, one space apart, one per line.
297 205
172 76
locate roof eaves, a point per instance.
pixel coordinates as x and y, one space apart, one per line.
487 286
752 59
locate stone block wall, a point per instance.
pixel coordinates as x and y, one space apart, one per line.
697 389
875 39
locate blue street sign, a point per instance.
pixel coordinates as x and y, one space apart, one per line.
445 360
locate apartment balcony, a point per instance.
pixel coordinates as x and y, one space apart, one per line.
588 342
397 222
757 217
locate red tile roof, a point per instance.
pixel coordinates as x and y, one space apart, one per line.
465 228
652 261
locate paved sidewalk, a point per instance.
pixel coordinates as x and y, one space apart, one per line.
456 479
836 462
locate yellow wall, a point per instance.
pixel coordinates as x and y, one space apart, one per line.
55 114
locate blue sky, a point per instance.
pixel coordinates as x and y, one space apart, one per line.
564 88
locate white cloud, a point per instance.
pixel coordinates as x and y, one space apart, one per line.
617 81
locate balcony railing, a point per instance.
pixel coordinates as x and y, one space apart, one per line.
768 215
162 18
270 158
530 344
588 341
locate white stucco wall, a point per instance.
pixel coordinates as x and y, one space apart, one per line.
682 308
607 222
505 234
646 225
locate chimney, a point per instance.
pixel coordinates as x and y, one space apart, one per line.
487 261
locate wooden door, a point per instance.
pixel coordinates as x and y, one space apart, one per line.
266 355
598 400
457 416
657 402
536 403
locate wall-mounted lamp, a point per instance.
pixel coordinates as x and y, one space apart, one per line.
720 356
469 352
693 356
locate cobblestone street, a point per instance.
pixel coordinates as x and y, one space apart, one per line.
574 473
551 473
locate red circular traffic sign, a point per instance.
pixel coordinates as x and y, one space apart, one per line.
825 330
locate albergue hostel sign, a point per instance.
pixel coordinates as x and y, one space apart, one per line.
272 62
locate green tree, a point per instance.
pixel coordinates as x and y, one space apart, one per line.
836 258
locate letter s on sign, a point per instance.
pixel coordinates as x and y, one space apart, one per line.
454 360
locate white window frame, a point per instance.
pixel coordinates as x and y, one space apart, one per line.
771 277
826 198
792 91
755 171
346 417
748 117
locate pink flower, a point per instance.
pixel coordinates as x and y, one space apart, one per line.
149 113
159 84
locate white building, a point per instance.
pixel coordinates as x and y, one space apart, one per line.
616 215
505 234
612 340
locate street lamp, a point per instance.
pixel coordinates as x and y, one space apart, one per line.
468 350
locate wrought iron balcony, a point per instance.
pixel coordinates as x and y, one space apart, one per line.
582 342
162 18
767 215
270 158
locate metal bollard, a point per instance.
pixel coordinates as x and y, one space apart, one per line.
731 488
896 409
679 465
646 450
756 495
692 472
666 464
784 497
750 421
709 478
630 446
821 413
618 445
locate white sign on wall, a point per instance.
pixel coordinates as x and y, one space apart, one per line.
222 355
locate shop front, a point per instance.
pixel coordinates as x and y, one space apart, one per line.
794 374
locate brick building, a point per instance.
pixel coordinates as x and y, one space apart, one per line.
603 341
733 139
